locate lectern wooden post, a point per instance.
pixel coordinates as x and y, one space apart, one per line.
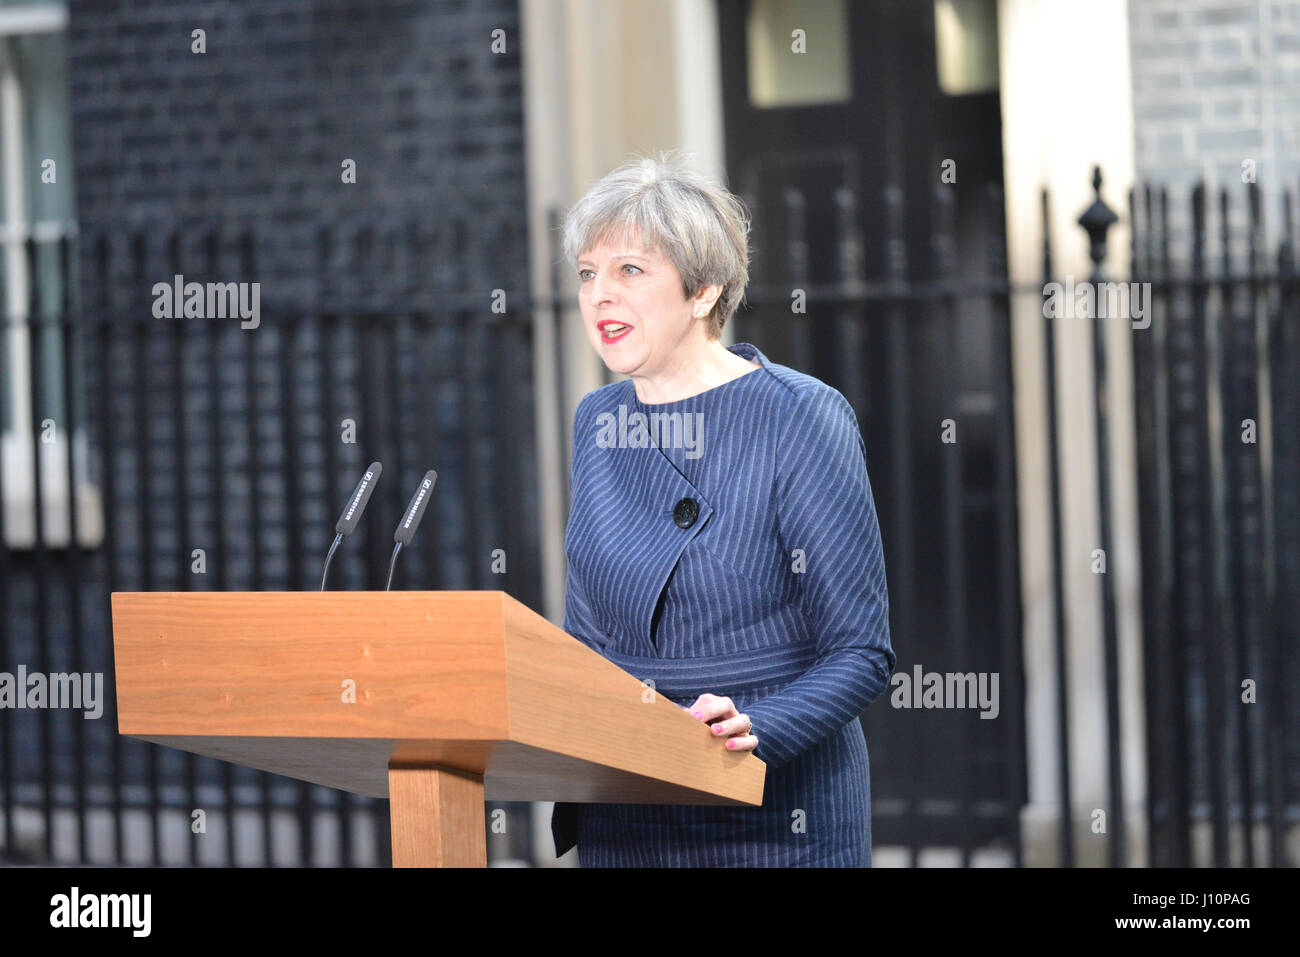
437 700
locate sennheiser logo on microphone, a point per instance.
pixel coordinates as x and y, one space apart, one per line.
410 512
365 481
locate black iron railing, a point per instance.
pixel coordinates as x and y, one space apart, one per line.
203 455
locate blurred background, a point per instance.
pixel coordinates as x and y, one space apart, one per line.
1102 511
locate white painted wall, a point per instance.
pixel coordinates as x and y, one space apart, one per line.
1067 106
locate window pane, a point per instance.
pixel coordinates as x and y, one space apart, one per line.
966 45
804 68
43 73
37 200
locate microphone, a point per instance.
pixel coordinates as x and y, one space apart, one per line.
411 519
347 523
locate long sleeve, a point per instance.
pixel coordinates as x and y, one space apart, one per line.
825 508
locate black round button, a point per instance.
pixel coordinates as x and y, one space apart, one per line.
686 512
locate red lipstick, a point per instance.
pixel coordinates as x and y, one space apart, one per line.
622 327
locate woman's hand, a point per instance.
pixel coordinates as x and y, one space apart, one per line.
725 721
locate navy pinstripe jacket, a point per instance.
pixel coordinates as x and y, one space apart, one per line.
728 543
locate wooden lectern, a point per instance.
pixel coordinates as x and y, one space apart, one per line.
437 700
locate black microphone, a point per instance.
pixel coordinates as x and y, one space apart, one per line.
347 523
411 519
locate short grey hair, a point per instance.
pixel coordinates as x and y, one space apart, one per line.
695 222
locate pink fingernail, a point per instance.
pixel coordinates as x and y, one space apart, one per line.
731 744
695 714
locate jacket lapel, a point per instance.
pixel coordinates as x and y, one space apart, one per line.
633 491
622 517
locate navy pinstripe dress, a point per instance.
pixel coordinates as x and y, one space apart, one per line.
743 559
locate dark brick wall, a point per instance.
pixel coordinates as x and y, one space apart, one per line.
253 132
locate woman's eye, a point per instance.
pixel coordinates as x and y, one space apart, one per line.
582 273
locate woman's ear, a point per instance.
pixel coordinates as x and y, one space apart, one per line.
706 299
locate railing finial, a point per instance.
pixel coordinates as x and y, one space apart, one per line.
1096 220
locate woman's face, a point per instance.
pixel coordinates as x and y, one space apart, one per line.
633 308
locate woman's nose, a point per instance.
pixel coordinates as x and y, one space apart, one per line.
600 290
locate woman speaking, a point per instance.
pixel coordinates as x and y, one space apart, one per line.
722 539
